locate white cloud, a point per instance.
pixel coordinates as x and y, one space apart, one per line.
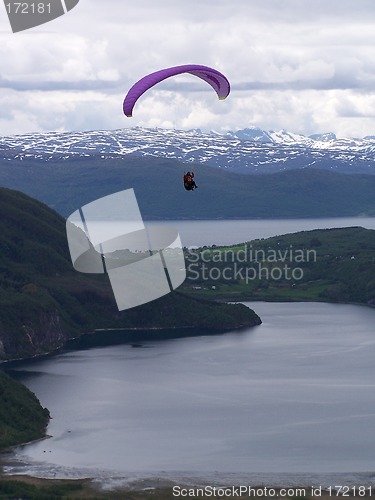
290 66
56 58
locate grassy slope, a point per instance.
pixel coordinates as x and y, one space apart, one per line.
340 268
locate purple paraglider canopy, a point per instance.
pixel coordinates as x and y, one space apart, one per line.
216 79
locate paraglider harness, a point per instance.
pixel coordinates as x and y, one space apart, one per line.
189 183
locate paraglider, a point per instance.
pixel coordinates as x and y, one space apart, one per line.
213 77
189 182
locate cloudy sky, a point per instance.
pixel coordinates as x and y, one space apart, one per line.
307 66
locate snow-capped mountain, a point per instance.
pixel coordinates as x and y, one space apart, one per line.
250 150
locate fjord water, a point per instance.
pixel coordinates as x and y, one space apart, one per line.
293 395
228 232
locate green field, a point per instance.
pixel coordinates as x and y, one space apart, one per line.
330 265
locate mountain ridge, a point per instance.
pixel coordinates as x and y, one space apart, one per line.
250 150
157 183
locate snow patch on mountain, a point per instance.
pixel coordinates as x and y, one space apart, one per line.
250 150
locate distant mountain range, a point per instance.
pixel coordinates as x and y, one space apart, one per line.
66 185
298 176
250 151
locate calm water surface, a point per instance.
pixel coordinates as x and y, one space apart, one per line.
293 395
228 232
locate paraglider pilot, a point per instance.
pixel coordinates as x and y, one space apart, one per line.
189 183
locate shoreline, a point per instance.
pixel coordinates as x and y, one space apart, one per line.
4 362
189 485
241 300
153 329
233 300
109 479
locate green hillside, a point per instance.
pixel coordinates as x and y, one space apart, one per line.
330 265
22 418
44 301
68 184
